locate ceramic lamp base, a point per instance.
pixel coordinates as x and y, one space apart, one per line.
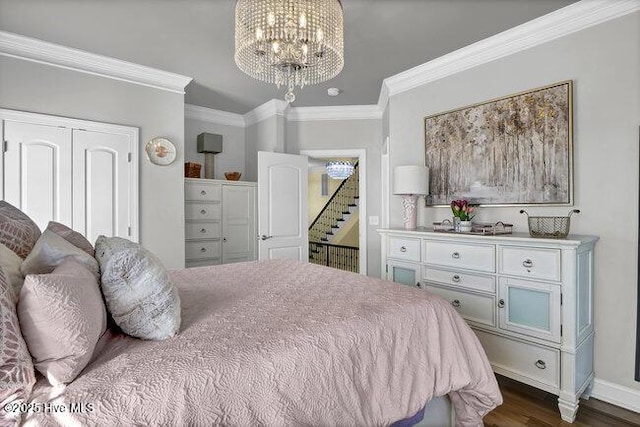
410 214
209 165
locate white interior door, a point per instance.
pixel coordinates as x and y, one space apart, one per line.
37 171
101 184
238 223
282 206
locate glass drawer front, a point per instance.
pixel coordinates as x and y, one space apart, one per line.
530 308
406 276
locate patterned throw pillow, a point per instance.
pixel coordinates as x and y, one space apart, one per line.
62 316
142 300
71 236
16 368
11 263
17 231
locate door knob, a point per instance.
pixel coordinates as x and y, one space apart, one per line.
263 237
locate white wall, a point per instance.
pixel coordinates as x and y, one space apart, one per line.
344 135
265 135
604 63
38 88
233 153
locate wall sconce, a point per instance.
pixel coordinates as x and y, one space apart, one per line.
411 181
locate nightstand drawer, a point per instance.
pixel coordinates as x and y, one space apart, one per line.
535 263
203 192
525 359
476 282
404 248
460 255
202 250
202 211
474 308
203 230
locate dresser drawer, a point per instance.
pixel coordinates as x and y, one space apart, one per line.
533 361
202 250
476 282
202 230
404 248
203 192
534 263
461 255
202 263
474 308
202 211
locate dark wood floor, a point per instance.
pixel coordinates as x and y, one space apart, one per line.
527 406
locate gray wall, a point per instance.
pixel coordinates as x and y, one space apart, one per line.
604 63
265 135
233 153
342 135
37 88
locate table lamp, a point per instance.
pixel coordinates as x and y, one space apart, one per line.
411 181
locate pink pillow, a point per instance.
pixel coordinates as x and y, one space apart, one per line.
17 231
73 237
16 369
62 316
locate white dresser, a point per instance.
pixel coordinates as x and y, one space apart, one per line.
529 300
220 221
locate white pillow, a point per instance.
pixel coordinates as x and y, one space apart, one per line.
11 263
142 300
62 316
49 252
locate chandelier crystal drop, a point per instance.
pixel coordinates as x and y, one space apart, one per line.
339 169
289 42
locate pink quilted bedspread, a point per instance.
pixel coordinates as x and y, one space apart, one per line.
283 343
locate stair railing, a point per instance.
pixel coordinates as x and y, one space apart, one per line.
333 212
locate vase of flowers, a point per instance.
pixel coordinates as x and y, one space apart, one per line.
462 215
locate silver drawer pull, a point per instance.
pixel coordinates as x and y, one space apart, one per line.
540 364
501 303
455 255
419 285
527 263
203 230
203 250
455 278
203 212
204 193
456 303
403 249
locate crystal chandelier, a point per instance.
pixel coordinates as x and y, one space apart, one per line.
339 169
289 42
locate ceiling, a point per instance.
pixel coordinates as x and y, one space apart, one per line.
196 38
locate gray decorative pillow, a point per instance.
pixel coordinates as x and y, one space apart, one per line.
142 300
49 252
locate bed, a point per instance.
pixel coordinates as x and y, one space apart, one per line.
282 343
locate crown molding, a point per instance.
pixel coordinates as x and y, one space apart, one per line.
562 22
30 49
209 115
274 107
340 112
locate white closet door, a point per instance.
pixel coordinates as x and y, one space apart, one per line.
37 171
101 184
238 223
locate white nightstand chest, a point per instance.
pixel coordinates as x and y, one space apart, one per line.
220 221
529 300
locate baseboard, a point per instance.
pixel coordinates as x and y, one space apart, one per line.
625 397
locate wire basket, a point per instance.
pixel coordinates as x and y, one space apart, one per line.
550 227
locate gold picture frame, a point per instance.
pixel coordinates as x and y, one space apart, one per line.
510 151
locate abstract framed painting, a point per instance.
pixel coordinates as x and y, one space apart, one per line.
514 150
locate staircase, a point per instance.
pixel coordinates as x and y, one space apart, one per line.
329 221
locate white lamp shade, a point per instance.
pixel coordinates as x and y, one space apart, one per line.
411 179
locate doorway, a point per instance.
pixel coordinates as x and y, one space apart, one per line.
339 238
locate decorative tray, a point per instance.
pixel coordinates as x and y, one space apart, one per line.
477 228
